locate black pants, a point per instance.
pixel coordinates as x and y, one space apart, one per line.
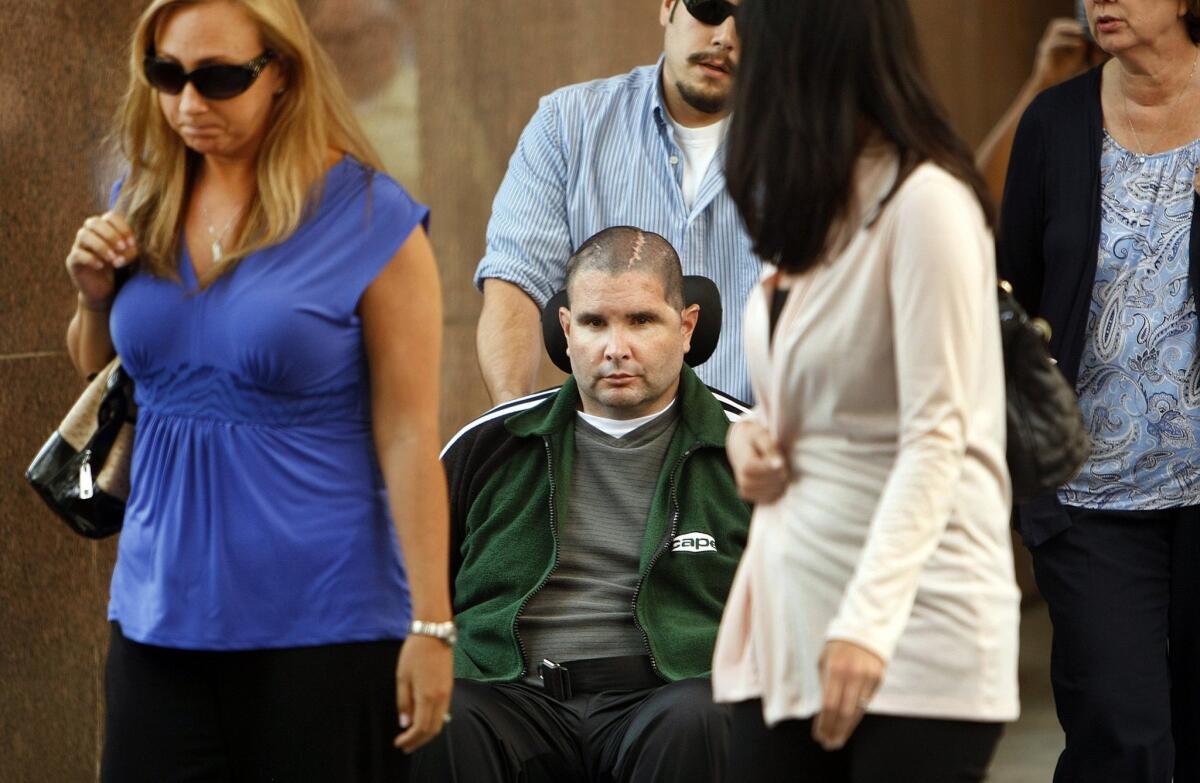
509 732
883 749
306 714
1124 595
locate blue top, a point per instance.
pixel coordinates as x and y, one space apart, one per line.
603 154
257 515
1139 381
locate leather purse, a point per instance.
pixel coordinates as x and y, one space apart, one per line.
82 471
1048 443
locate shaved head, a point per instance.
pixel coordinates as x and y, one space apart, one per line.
622 249
625 322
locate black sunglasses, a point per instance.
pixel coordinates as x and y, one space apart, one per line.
215 82
711 12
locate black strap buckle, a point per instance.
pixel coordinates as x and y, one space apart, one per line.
556 678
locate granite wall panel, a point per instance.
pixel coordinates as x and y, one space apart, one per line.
444 89
61 69
53 589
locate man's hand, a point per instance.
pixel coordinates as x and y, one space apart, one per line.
850 675
424 680
759 467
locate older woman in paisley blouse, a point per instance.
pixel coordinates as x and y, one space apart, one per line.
1099 238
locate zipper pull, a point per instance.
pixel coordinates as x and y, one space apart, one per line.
85 481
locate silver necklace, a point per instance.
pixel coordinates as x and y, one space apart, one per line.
1129 120
217 251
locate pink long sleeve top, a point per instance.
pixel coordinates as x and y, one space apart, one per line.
884 385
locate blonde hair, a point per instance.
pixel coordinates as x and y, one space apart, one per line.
310 117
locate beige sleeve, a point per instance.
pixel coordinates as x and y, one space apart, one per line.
938 290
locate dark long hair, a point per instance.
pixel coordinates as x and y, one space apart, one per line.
814 78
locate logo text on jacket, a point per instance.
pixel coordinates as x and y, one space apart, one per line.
694 543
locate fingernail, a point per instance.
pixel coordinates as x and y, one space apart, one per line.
122 244
405 720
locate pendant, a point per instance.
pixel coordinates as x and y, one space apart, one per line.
216 251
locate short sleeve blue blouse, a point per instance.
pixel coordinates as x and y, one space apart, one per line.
257 516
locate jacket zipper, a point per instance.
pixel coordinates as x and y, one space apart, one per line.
553 567
663 546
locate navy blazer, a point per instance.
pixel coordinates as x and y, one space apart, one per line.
1049 237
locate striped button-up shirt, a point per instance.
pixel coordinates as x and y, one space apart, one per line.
603 154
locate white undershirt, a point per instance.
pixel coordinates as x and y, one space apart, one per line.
699 147
619 428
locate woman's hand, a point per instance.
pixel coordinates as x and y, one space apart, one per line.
424 679
850 675
759 467
104 243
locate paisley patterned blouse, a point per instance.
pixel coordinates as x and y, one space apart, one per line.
1139 380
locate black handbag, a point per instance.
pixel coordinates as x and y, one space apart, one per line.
1047 440
82 471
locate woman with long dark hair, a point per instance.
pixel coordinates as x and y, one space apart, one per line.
871 631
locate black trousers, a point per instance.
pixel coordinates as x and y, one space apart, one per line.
509 732
883 749
306 714
1123 590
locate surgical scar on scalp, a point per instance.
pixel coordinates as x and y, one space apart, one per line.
635 255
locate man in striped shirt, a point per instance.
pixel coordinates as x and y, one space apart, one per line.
643 149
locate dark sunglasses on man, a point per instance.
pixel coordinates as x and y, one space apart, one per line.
711 12
215 82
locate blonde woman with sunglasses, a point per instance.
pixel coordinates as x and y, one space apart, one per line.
279 606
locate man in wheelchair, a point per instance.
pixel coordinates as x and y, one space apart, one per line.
595 532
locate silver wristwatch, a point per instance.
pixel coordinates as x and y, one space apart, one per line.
444 631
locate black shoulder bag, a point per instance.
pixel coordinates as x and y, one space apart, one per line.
1047 440
82 471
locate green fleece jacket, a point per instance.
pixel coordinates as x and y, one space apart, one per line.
510 477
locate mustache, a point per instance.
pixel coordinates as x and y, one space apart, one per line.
712 58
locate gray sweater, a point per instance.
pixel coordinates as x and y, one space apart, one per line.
585 610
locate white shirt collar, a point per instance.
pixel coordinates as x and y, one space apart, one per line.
619 428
